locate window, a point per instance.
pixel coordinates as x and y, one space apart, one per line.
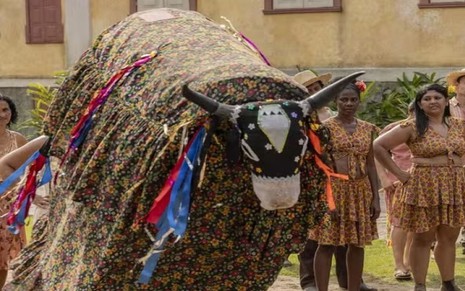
441 3
301 6
43 21
141 5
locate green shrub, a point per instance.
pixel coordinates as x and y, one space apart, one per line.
42 97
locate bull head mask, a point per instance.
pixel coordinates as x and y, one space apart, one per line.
273 138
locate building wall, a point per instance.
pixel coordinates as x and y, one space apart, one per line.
381 33
105 13
21 60
367 34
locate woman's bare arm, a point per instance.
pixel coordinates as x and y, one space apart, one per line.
373 177
13 160
386 142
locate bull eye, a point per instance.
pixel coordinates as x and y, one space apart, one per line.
248 151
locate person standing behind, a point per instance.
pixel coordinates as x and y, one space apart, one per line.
432 198
400 240
457 109
10 244
357 200
315 83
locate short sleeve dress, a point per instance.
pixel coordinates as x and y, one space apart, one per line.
353 197
434 194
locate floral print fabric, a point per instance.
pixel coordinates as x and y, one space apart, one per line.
96 232
353 197
435 194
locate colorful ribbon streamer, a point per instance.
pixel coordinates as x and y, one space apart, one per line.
81 129
20 208
175 215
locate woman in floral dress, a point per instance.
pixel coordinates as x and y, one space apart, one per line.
10 245
357 200
433 193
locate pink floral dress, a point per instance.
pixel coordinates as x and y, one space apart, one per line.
402 156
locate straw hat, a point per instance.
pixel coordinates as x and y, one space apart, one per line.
453 76
308 77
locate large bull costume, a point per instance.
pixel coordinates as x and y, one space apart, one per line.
156 191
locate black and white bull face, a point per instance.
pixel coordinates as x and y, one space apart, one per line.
274 141
273 138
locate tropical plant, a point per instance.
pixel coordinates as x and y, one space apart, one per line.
42 97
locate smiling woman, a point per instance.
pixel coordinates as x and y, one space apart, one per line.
10 245
431 204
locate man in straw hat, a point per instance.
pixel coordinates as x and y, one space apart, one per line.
315 83
457 109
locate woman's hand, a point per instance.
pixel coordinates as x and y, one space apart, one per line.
41 202
375 209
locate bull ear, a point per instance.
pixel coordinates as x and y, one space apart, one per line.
325 95
207 103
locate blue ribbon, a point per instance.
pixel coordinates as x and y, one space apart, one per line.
82 134
176 215
151 263
17 174
178 208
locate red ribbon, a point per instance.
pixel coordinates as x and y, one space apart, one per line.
161 202
28 190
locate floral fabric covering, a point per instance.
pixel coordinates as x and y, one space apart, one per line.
95 233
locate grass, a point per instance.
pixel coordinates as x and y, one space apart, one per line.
379 267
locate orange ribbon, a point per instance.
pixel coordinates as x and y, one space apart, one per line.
326 169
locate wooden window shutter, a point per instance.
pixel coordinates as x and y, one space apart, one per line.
43 21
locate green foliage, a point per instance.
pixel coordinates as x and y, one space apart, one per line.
42 97
392 104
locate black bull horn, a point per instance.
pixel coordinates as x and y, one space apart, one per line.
317 100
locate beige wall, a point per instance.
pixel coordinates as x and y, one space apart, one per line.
377 34
105 13
19 59
381 33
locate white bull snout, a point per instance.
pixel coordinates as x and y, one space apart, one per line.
277 193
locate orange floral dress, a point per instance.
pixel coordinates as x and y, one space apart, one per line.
434 194
10 244
353 197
